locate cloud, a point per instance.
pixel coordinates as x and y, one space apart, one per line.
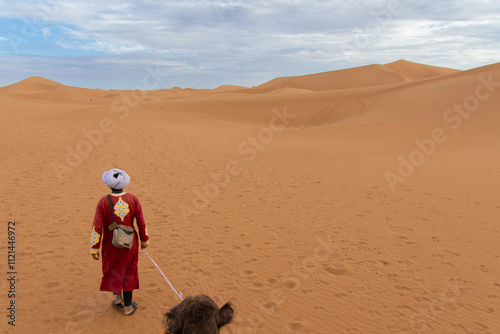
248 42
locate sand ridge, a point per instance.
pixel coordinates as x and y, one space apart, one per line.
356 201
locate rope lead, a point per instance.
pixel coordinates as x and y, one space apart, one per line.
178 294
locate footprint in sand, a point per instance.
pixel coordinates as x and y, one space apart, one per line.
271 282
257 285
248 273
52 285
270 307
252 260
335 269
297 327
291 284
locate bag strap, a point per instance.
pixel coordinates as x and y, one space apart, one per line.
114 225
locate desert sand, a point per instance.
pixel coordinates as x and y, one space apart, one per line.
363 200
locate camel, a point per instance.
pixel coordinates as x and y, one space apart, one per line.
197 315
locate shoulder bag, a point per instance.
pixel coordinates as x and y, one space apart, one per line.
123 235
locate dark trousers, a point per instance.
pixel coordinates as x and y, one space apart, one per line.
127 298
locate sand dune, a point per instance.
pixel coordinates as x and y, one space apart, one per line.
414 71
356 201
33 84
360 77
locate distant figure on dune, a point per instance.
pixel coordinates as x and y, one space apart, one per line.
197 315
119 265
90 100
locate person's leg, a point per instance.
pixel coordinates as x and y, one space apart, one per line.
127 300
118 302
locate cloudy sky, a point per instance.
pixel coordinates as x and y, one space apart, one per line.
114 44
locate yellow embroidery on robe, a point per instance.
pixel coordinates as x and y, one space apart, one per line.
121 209
94 237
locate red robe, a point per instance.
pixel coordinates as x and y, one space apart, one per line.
119 265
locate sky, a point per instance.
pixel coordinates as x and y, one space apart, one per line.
117 44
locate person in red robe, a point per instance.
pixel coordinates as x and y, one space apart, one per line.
119 265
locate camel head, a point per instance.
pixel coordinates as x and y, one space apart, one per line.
197 315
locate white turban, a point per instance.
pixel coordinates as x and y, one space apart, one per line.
116 178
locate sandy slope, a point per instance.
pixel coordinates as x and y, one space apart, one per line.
374 209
